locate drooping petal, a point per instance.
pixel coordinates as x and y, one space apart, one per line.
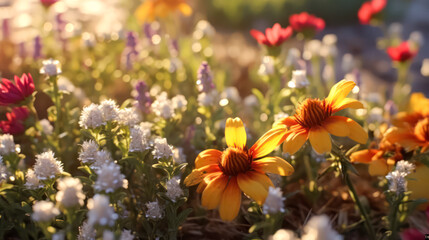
230 201
339 91
252 187
259 36
356 132
363 156
274 165
347 103
207 157
197 175
320 140
294 142
402 136
337 125
213 192
235 133
268 142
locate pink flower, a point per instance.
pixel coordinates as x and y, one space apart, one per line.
15 121
14 93
304 22
48 3
401 53
274 36
369 9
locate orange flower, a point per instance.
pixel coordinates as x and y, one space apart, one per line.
150 9
382 160
419 109
314 120
222 176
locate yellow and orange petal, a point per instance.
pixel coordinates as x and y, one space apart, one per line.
268 142
151 9
235 133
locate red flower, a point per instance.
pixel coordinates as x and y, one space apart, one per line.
304 21
48 3
401 53
14 93
369 9
273 36
15 121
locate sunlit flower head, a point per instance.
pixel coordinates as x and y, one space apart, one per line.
370 10
140 139
91 117
283 234
314 121
44 211
86 232
70 192
174 191
223 176
274 36
154 210
274 202
47 128
51 67
149 10
47 166
320 228
109 178
13 93
7 145
128 116
100 212
299 79
161 149
31 180
306 23
402 52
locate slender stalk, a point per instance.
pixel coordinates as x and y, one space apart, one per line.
57 103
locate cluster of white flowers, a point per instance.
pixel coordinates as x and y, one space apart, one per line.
70 192
165 108
274 203
179 156
95 115
51 67
31 180
251 101
90 155
140 138
231 94
179 103
329 48
47 166
299 79
208 99
283 234
293 57
267 66
47 128
203 29
7 145
108 235
174 191
109 178
161 149
127 235
44 211
3 170
129 117
154 210
86 232
100 212
397 181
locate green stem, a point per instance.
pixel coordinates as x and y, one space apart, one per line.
57 103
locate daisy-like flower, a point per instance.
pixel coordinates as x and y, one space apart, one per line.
370 9
11 93
274 36
151 9
51 67
314 120
222 176
306 23
402 52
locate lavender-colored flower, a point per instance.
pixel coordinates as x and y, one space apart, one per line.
148 30
174 47
130 52
131 40
22 51
37 53
391 108
205 78
5 28
143 97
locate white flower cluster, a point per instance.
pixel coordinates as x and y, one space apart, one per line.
140 138
44 211
179 103
317 228
299 79
267 66
86 232
293 57
3 170
109 178
7 145
329 48
31 180
127 235
70 192
95 115
154 210
90 155
100 212
397 181
51 67
174 191
47 166
179 156
274 203
231 94
129 117
165 108
208 99
47 128
161 149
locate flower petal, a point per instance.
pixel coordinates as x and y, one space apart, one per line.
207 157
250 184
378 167
235 133
185 9
356 132
230 201
197 175
403 136
339 91
320 140
268 142
274 165
337 125
294 142
347 103
288 121
212 193
363 156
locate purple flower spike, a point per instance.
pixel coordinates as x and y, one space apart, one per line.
37 53
205 78
143 97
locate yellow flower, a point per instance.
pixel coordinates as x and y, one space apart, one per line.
314 120
150 9
222 176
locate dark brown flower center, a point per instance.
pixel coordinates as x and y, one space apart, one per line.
312 112
235 161
422 129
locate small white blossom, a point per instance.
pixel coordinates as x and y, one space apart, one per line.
127 235
251 101
179 102
47 128
178 156
203 29
109 109
3 170
267 66
65 85
129 116
232 94
319 228
51 67
154 210
31 180
7 145
274 203
312 49
47 166
70 192
109 178
108 235
100 212
299 79
283 234
397 182
86 232
59 236
140 139
208 99
91 117
102 158
329 48
405 167
44 211
293 56
162 106
174 191
161 149
88 152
